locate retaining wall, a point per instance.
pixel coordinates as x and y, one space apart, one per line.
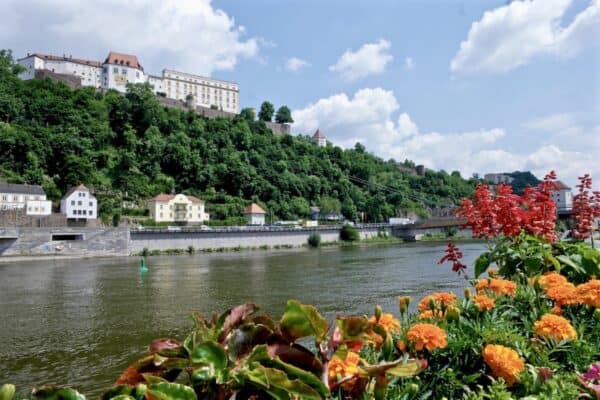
91 242
213 240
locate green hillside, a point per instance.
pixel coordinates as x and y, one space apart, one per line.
131 148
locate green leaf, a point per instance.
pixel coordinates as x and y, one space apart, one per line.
271 378
56 393
7 392
571 263
481 264
398 367
210 353
170 391
243 339
298 373
301 320
122 397
352 327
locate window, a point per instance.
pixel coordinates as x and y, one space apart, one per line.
79 203
91 204
160 206
4 198
15 198
161 215
82 194
84 212
115 70
123 71
72 202
137 74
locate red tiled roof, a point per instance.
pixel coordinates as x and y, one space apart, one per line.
163 197
562 186
74 189
64 58
168 197
318 135
254 209
123 59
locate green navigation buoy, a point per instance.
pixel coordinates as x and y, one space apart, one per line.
143 267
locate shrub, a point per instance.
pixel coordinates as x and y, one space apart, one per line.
348 233
191 250
145 252
314 239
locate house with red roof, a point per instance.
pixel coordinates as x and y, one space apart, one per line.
319 139
79 204
562 197
255 215
177 208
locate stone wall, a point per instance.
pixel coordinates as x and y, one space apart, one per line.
213 240
90 242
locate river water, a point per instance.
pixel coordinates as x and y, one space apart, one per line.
81 322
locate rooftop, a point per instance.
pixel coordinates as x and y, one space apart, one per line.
318 135
169 197
562 186
74 189
21 189
64 58
254 209
128 60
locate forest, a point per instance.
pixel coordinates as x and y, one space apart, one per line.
128 148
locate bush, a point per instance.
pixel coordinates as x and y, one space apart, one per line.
314 239
349 234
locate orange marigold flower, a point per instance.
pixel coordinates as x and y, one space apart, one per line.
497 286
556 310
550 279
339 369
440 300
387 322
430 314
427 336
589 293
563 294
504 362
483 302
554 327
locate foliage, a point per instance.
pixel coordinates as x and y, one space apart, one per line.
314 239
130 148
248 114
266 112
284 115
348 233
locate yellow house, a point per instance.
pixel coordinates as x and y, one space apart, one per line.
177 208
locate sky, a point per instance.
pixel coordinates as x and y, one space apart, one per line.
470 85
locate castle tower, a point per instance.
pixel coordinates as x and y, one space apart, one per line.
319 139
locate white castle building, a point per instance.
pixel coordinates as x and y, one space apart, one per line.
119 69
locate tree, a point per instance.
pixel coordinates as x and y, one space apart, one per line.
248 114
266 112
284 115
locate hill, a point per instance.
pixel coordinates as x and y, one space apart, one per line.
129 148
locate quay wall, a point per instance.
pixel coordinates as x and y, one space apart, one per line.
202 240
84 242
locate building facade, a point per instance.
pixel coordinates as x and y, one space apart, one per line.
119 69
79 203
179 208
254 214
319 139
497 179
562 197
30 198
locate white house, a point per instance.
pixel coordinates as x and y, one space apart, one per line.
119 69
30 198
319 139
255 214
497 179
177 208
79 203
562 197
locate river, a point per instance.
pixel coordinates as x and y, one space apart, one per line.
81 322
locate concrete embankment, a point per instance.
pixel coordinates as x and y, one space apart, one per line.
92 242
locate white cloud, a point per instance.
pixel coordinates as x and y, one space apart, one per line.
373 117
370 59
514 34
409 63
190 35
296 64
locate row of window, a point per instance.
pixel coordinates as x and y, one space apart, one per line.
20 198
193 80
83 212
36 209
80 203
160 206
189 216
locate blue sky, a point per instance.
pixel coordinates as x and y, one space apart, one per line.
522 91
